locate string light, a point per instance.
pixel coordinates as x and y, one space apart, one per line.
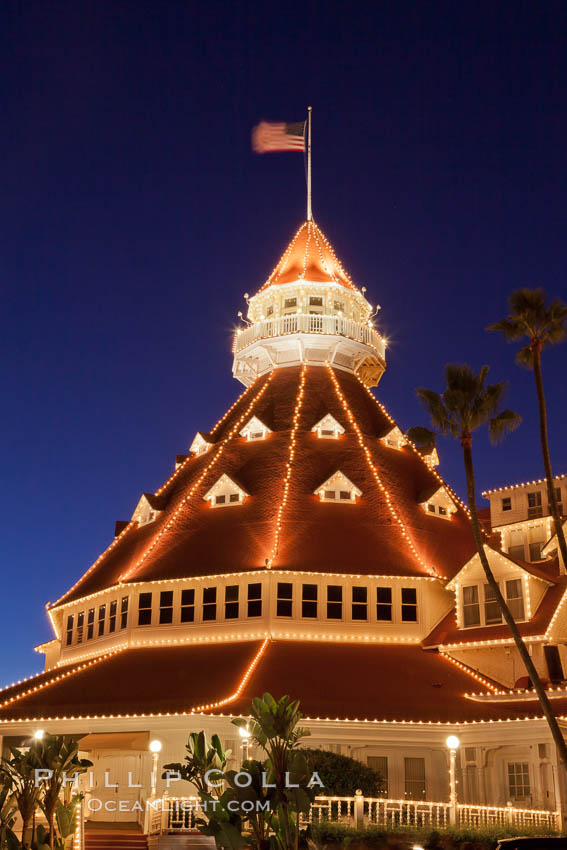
240 687
289 463
375 472
524 484
466 669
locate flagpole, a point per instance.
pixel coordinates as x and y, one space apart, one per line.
309 214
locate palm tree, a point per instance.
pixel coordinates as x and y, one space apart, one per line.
466 404
542 325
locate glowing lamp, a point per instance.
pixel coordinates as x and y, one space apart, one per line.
38 734
244 733
155 746
452 742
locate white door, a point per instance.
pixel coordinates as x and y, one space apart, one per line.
114 795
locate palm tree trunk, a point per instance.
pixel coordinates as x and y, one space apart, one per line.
546 457
466 443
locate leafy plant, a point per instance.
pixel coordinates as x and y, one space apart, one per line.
18 774
202 757
8 808
342 775
60 755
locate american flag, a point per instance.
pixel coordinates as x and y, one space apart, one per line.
267 137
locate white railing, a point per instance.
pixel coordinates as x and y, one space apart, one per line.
305 323
178 814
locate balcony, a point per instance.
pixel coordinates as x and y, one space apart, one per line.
310 324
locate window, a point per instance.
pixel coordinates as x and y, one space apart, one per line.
124 612
442 511
471 606
379 764
409 606
101 619
166 607
220 500
517 551
384 604
507 503
188 605
284 601
270 310
145 609
431 508
334 602
339 306
69 639
80 623
112 617
535 551
330 494
234 497
359 603
534 504
255 599
518 779
492 612
558 500
209 603
315 301
231 602
515 598
338 488
289 303
344 494
309 601
90 624
414 778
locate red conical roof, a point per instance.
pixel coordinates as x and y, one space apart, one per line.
310 256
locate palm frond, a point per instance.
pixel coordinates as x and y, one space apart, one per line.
525 357
503 424
422 437
511 328
434 405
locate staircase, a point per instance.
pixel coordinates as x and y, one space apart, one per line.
123 840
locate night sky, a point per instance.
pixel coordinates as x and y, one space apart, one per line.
133 217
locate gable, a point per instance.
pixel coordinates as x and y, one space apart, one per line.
225 491
338 488
328 428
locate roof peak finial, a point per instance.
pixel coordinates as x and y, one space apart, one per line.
309 211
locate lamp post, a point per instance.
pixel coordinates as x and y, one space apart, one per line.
245 735
452 743
155 750
38 734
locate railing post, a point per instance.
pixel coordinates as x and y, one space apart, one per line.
358 809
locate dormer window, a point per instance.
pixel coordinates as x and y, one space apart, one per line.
199 445
328 428
147 509
338 488
255 430
225 492
439 503
394 439
290 304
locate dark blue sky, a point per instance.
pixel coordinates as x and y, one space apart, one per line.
133 217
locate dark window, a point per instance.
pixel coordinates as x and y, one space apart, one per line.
209 603
166 607
534 499
112 617
334 602
69 640
471 606
220 500
315 301
90 624
492 613
270 310
124 612
515 598
345 495
80 623
145 609
255 600
507 503
290 302
414 778
330 494
309 600
339 306
431 508
231 602
359 603
409 605
517 551
442 511
284 601
101 619
535 551
380 765
234 497
384 604
187 605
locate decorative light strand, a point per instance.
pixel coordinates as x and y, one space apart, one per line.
217 455
466 669
487 493
556 613
241 686
289 463
375 473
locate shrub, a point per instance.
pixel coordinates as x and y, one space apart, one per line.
342 775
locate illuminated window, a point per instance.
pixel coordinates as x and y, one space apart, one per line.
309 600
409 605
80 624
471 606
225 492
188 605
255 430
112 617
518 780
338 488
124 612
384 604
284 602
166 607
255 599
334 602
101 619
69 639
145 609
209 603
90 624
507 503
231 602
328 428
492 613
515 598
359 603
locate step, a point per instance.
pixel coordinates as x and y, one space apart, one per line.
123 840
